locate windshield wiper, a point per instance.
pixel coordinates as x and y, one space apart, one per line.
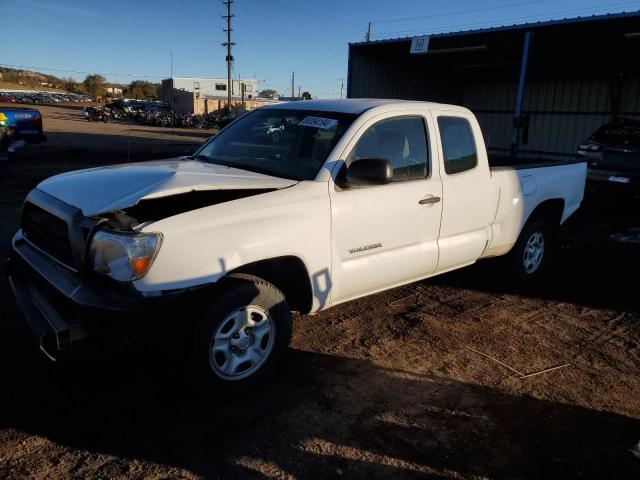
199 156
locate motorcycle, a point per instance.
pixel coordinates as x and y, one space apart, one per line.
94 114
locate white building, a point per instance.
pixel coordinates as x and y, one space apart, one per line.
209 87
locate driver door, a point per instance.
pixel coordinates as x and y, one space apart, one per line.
387 235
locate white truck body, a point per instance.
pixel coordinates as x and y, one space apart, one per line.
352 241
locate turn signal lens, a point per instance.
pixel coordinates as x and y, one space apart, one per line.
141 265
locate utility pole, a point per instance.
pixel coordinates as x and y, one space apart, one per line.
368 37
341 86
170 101
293 79
171 78
228 44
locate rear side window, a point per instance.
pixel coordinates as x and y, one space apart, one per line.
458 144
402 141
618 134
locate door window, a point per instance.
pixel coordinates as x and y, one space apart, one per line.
402 141
458 144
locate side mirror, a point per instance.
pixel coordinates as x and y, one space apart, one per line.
369 171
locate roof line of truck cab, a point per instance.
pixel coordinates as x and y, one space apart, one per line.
360 105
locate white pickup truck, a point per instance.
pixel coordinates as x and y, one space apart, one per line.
292 207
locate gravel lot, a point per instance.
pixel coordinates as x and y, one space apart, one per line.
419 381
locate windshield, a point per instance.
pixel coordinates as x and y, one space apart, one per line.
284 143
615 134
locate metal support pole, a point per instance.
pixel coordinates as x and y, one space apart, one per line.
517 120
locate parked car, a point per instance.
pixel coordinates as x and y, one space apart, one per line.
613 156
322 203
6 138
26 127
6 99
33 96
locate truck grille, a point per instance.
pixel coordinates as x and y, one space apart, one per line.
621 161
47 232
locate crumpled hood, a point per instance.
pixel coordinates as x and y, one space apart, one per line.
103 189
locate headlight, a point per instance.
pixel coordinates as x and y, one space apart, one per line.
124 257
593 147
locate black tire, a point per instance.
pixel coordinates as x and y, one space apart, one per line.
236 292
522 272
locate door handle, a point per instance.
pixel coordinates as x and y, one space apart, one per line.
429 200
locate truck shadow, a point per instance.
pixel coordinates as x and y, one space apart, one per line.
325 413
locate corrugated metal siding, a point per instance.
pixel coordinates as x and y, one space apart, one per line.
383 77
562 112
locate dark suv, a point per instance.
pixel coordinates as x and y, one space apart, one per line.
613 156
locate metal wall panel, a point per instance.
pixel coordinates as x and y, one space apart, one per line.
562 112
372 76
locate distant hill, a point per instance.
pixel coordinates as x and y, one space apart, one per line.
16 79
28 79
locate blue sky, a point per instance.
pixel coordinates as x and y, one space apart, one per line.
131 39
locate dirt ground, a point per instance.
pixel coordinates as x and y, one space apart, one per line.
417 382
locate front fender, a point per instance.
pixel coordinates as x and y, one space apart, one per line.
201 246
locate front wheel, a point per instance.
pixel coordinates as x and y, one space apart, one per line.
529 258
240 338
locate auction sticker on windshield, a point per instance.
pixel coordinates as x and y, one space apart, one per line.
318 122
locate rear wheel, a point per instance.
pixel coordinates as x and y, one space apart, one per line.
529 258
240 338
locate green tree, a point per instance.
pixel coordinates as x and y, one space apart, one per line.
95 85
306 96
268 93
70 85
142 90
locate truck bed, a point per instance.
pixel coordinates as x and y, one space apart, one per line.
504 162
523 186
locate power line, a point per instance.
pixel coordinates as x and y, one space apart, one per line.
459 12
494 22
78 71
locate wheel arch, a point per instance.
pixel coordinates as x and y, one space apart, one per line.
551 210
289 274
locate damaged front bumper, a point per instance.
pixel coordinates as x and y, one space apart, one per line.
66 311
